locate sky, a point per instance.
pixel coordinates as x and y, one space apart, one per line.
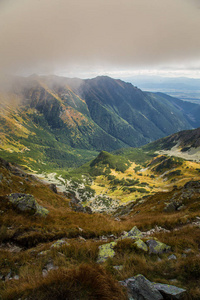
86 38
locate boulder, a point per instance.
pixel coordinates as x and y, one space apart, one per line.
171 292
170 207
106 251
157 247
27 202
134 233
140 288
53 187
140 245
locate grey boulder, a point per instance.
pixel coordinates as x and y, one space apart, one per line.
27 202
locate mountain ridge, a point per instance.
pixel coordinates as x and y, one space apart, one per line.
66 121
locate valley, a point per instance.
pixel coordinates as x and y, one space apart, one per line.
83 213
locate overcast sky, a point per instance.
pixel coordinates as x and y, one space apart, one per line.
89 37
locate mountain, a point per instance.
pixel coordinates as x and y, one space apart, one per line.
180 87
185 144
147 115
50 122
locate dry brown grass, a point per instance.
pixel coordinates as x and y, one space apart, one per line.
78 275
84 282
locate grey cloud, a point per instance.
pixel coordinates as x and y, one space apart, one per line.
47 35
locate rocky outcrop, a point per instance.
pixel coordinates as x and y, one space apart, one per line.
76 205
140 288
150 246
27 202
53 187
181 198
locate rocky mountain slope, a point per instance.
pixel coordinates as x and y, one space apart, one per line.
185 144
54 122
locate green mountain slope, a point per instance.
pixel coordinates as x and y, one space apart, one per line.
148 116
50 122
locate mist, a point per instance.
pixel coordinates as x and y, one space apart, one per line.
47 35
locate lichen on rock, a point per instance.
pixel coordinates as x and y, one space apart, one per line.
106 251
157 247
27 202
141 245
134 233
59 243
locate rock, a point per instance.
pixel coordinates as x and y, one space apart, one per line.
172 257
170 207
171 292
188 250
50 266
8 276
76 206
140 288
59 243
154 230
141 245
106 251
157 247
181 207
82 238
44 272
88 210
53 187
118 268
43 253
134 233
27 202
16 277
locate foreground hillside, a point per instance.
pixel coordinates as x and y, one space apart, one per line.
58 256
56 245
50 123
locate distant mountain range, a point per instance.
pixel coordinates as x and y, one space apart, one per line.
184 88
50 122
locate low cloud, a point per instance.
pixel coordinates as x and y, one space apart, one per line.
52 35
